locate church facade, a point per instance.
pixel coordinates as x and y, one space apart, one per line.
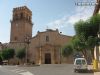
44 48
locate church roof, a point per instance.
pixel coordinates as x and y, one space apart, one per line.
22 8
51 30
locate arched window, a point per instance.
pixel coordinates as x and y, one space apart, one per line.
21 15
15 17
47 38
15 38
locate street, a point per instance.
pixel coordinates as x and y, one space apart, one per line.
4 71
52 69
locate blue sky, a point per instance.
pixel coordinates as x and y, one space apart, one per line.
52 14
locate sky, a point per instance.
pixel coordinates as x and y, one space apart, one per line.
51 14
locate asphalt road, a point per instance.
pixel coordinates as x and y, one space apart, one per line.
63 69
54 69
4 71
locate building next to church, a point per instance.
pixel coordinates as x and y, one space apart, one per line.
97 49
97 7
44 48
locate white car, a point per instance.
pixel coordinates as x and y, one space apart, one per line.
80 64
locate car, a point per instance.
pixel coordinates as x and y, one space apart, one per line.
80 64
5 62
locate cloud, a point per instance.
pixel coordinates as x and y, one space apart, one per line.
57 23
80 13
68 21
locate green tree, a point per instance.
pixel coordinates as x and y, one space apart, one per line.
79 46
81 29
8 53
91 43
86 31
67 50
21 53
94 23
89 27
0 58
85 38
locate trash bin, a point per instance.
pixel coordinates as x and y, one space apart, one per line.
95 64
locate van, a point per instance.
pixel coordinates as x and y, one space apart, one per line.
80 64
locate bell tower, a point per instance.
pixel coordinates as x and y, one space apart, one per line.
21 24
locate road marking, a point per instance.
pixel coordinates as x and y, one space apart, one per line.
26 73
22 72
14 70
18 70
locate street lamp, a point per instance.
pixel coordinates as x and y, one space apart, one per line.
60 50
40 52
27 41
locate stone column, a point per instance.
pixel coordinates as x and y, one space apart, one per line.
40 55
53 56
37 56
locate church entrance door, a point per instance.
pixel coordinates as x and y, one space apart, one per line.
47 58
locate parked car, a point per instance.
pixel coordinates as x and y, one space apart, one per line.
80 64
5 62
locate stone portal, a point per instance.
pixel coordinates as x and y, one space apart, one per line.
47 58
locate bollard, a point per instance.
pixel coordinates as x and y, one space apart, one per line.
95 65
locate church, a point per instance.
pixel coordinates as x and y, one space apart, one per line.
44 48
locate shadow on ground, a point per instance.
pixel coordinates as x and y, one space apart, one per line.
87 71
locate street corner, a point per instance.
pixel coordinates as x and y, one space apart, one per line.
97 73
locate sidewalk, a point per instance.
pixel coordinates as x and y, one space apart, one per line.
96 73
90 67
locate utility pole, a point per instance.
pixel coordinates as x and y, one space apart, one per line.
27 41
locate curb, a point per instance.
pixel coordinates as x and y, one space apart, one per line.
27 65
98 70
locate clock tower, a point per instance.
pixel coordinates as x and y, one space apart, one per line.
21 24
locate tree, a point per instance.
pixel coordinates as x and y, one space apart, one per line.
86 31
0 59
21 53
81 29
79 46
91 43
67 50
89 27
86 36
8 53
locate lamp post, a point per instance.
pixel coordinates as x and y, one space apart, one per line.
27 41
60 50
40 60
40 52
